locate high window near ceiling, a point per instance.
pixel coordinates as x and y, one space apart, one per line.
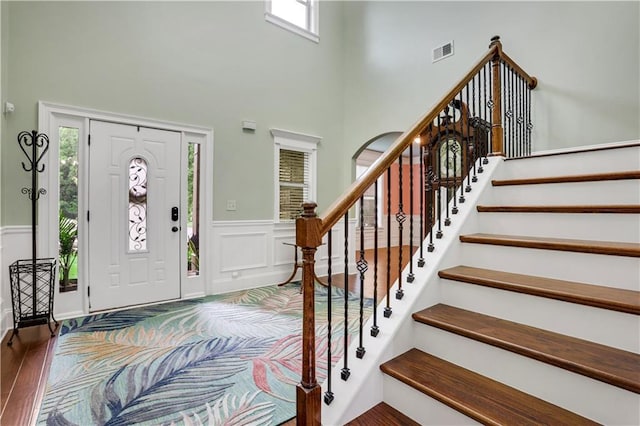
297 16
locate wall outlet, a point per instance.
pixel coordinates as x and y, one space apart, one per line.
231 205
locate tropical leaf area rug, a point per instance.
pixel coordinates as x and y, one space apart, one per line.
231 359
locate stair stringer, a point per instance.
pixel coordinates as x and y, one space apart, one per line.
364 388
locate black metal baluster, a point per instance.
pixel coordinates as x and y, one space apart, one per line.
328 395
438 188
374 328
345 372
447 219
529 124
464 145
430 210
477 147
514 119
514 102
511 109
505 107
489 105
505 110
400 218
518 113
428 188
521 115
469 161
362 268
483 107
422 210
453 149
387 309
410 277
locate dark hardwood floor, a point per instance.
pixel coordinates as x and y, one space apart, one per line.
25 364
25 367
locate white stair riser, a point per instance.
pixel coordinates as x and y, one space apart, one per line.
581 226
611 271
420 407
602 161
585 396
577 193
616 329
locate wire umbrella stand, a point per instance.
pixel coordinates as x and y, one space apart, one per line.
32 280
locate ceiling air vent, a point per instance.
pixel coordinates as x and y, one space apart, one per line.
443 51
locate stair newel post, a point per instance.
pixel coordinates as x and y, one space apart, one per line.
497 131
308 391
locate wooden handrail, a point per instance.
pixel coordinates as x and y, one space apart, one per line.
532 82
337 210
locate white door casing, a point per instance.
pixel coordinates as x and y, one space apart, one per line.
133 262
51 116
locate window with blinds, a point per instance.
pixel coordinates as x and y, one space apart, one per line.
294 181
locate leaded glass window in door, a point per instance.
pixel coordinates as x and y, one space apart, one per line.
137 205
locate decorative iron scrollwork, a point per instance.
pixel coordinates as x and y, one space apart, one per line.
31 193
27 140
137 204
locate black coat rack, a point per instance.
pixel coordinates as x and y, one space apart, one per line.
32 280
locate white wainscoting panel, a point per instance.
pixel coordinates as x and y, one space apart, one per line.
252 253
16 244
241 251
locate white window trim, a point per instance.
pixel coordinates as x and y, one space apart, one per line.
312 34
285 139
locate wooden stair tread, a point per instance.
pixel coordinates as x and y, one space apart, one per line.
616 299
632 174
614 366
479 397
382 415
619 208
563 244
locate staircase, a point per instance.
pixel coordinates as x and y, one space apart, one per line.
536 314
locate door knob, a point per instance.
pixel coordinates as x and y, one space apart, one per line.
174 229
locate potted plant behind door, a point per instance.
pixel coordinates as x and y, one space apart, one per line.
68 233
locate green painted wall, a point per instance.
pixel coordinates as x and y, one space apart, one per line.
4 27
586 56
211 64
215 64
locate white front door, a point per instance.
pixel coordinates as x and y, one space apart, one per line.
134 215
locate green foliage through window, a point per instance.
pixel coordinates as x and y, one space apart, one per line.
69 172
68 208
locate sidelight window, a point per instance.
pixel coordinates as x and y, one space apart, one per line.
193 209
68 208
